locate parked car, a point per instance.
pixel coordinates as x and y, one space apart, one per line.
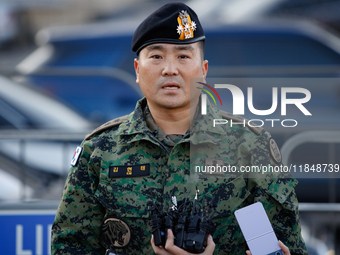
9 26
39 163
12 188
22 107
87 73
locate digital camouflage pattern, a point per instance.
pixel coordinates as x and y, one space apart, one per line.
90 195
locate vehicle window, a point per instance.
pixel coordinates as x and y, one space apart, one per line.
254 49
4 124
11 118
105 51
80 93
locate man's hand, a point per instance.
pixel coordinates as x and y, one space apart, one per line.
283 247
171 249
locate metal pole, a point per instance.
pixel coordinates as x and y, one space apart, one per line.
23 167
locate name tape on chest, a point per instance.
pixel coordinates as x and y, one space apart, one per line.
129 171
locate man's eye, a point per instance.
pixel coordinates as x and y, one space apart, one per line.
156 56
183 56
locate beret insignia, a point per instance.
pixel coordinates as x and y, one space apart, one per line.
185 27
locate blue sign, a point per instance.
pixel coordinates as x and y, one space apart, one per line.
26 232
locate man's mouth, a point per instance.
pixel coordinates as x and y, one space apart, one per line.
171 86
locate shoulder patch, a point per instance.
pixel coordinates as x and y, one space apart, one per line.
229 116
275 151
115 232
109 124
76 155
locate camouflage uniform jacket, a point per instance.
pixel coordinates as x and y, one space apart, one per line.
101 186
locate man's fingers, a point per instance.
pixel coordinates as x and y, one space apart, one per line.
152 241
210 246
170 247
284 248
248 252
156 249
170 240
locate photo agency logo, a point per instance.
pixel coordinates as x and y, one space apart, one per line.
204 96
239 103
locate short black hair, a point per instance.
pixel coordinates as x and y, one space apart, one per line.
201 46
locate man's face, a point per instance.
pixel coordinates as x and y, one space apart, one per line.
164 70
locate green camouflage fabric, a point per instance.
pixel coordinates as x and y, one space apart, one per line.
168 140
90 195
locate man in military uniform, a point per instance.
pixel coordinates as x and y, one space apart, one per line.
154 151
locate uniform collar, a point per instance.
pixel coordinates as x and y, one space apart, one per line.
135 122
134 127
201 130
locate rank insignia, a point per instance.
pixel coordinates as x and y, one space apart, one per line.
115 232
129 171
213 167
185 27
274 151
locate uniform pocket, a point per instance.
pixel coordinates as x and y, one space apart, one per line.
283 191
232 194
124 200
228 236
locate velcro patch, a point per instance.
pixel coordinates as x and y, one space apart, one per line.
275 151
76 155
129 171
213 167
116 233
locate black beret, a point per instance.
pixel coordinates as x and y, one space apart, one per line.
172 23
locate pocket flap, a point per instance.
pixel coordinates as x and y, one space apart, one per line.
281 189
123 201
232 195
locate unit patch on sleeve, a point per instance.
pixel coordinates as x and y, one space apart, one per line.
275 151
76 155
129 171
116 233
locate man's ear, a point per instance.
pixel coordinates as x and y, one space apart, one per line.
136 64
205 68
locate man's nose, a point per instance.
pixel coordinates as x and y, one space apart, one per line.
170 68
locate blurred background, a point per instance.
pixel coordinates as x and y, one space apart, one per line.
66 67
